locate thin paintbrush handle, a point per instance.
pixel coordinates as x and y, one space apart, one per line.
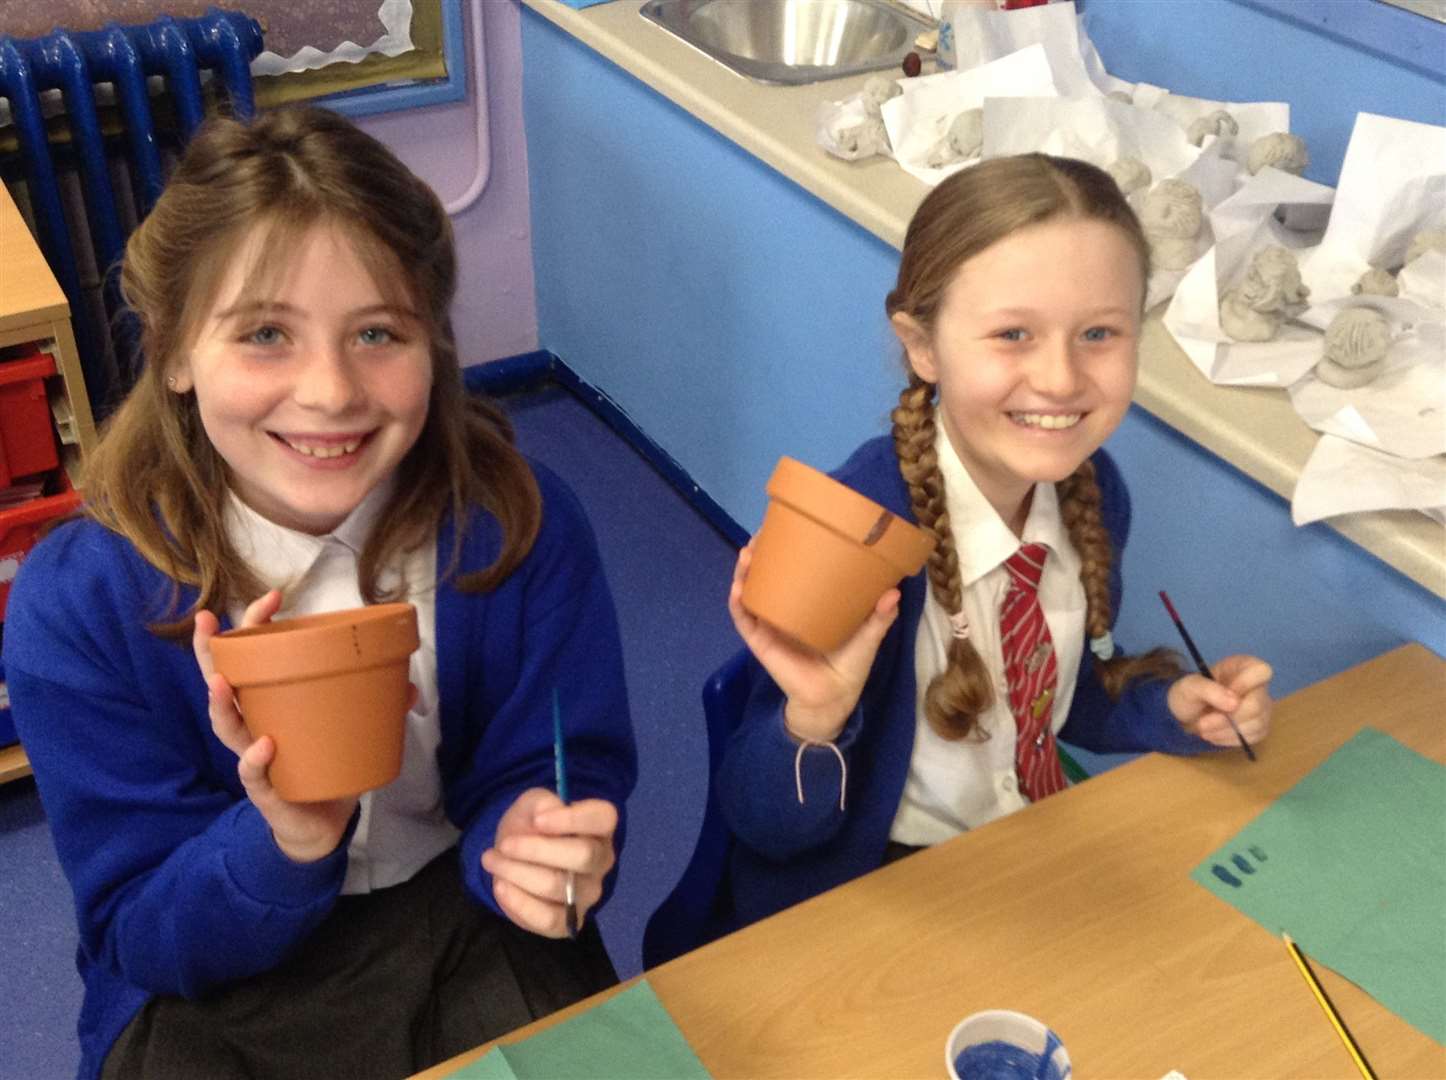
1204 667
559 770
1185 634
1328 1007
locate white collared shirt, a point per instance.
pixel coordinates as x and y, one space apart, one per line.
402 826
959 785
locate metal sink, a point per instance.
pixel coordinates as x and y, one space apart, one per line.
793 41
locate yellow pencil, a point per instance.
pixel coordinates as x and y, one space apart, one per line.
1328 1008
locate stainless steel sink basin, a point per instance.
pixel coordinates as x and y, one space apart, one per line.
793 41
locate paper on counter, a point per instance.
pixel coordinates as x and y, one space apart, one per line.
1342 477
1402 411
1392 186
919 117
1242 224
978 35
1214 176
1095 129
1254 118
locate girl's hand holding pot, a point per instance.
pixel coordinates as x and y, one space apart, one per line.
305 832
822 688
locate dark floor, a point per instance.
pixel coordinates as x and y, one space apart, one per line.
669 572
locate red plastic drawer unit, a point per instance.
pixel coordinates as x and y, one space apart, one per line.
19 529
27 441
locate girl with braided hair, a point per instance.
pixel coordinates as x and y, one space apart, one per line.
1018 303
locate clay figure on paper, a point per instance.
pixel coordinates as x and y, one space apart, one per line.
1356 344
861 140
1424 241
879 90
1218 123
1131 174
1171 216
1376 282
1281 150
962 141
1270 292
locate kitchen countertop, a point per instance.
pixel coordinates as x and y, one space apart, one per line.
1254 429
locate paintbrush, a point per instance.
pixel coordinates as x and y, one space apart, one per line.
559 765
1204 668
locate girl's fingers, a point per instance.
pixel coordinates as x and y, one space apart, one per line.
205 629
226 719
253 764
262 608
580 854
544 882
528 912
586 817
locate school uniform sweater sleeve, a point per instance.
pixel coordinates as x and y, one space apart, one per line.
765 768
549 628
762 771
178 885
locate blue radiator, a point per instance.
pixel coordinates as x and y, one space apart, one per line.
179 52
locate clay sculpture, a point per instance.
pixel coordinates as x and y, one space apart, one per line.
1356 344
879 90
1376 282
1217 123
1280 150
962 141
1171 216
1270 292
862 140
1131 174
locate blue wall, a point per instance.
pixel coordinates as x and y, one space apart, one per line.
737 318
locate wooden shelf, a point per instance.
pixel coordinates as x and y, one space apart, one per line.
14 765
33 310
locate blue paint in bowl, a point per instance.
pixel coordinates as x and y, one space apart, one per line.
999 1060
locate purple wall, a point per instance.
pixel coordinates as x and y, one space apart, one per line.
495 313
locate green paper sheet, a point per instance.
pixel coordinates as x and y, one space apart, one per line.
1351 862
630 1034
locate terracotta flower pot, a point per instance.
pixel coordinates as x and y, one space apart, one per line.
331 690
824 556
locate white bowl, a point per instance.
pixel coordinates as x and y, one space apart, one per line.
1006 1026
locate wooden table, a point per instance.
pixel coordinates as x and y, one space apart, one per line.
1078 910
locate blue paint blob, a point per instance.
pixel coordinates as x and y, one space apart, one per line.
1258 853
1225 875
1243 864
996 1060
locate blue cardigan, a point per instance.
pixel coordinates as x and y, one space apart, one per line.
787 852
178 886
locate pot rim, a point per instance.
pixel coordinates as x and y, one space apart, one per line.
309 646
837 507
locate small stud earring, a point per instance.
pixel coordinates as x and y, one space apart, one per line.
171 382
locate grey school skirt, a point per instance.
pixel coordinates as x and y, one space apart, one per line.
392 982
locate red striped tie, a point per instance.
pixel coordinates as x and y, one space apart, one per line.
1030 670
